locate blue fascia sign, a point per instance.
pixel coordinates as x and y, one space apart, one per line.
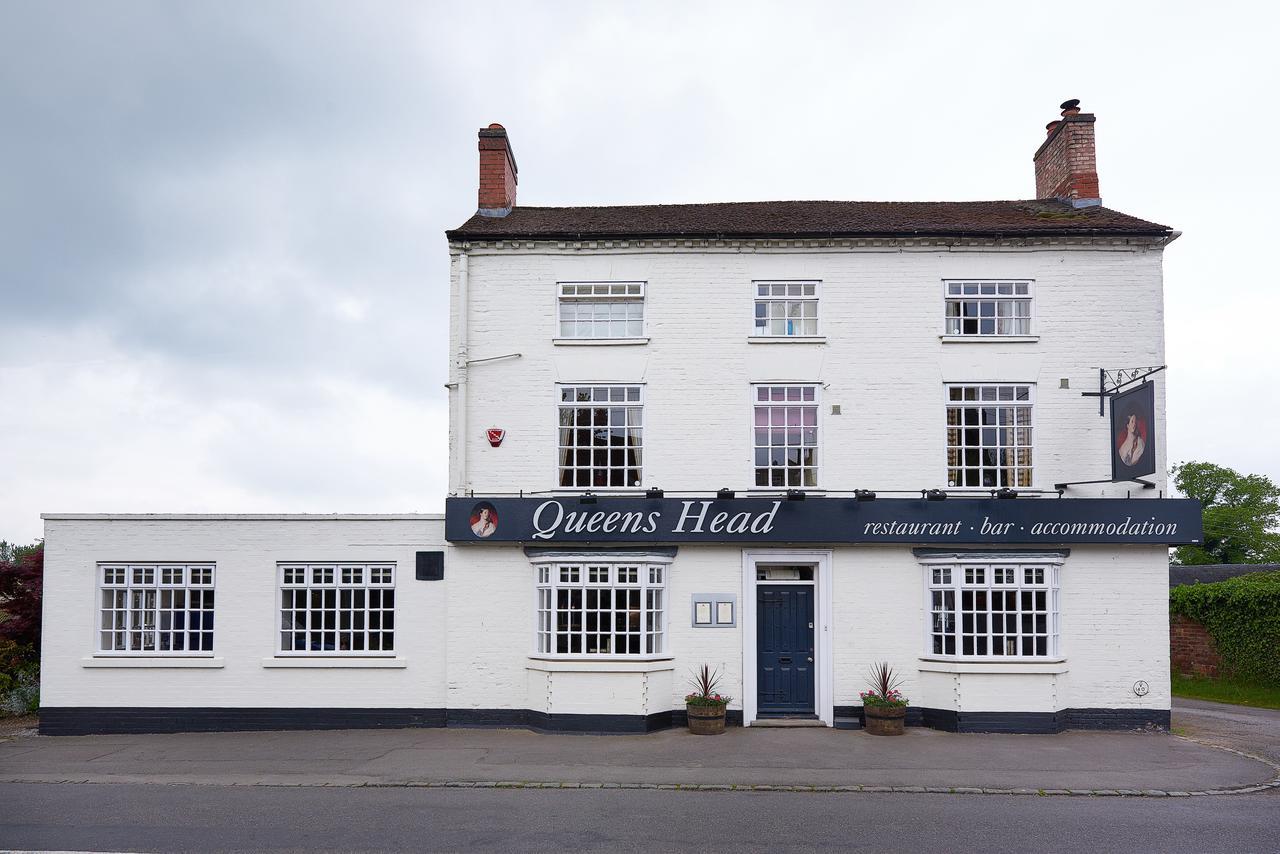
957 521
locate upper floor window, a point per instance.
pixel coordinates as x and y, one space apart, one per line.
989 440
337 608
786 435
601 309
992 610
155 608
981 308
601 435
786 308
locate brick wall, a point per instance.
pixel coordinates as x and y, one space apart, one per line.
1191 649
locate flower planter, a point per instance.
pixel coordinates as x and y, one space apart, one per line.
706 720
885 720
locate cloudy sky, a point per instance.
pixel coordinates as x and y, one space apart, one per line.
223 277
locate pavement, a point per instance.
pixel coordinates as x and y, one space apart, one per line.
1109 763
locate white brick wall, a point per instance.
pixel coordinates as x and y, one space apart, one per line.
883 362
245 618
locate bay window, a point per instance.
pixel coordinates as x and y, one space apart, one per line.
601 606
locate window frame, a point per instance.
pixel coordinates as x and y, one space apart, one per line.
644 563
751 438
756 299
337 586
1029 298
559 468
158 585
946 448
957 564
562 298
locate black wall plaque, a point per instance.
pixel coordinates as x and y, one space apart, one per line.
967 521
430 566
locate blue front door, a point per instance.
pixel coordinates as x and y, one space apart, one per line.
784 649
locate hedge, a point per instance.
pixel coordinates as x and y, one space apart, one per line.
1243 616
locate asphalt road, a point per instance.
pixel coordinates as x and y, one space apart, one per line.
228 818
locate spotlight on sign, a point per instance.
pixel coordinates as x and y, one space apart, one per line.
935 494
587 497
795 495
864 495
1006 492
725 494
653 492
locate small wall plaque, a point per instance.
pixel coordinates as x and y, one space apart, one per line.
715 610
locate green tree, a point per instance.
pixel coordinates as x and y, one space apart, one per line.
1241 515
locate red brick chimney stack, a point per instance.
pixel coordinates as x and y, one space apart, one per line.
498 173
1066 164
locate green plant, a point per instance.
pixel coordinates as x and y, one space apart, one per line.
1242 615
704 682
884 691
23 697
1241 513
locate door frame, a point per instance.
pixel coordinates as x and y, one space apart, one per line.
824 664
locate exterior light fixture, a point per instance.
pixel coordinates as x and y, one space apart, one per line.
725 493
795 495
653 492
587 497
1005 492
935 494
864 495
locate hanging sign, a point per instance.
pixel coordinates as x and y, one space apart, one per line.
968 521
1133 433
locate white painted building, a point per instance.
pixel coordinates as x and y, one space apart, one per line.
787 439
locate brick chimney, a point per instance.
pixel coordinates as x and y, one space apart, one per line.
1066 166
497 172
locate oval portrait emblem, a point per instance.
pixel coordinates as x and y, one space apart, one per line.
484 519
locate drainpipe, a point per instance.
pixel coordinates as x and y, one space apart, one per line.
460 379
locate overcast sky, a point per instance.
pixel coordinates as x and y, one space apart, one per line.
223 274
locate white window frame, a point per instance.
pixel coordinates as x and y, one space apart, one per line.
653 575
955 331
949 404
131 570
957 566
803 299
817 426
339 582
612 293
561 447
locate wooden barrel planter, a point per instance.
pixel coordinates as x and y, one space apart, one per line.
706 720
885 720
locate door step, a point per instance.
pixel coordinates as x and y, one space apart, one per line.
806 720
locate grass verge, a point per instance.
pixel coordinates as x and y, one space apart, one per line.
1226 691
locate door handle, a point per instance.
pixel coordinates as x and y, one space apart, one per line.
809 659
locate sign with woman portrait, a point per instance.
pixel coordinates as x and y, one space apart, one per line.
1133 433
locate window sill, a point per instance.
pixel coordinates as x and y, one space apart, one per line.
151 662
604 664
786 339
599 342
336 663
988 339
941 665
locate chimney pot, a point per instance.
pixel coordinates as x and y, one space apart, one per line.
498 172
1049 128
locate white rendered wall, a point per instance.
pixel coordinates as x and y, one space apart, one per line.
245 620
883 361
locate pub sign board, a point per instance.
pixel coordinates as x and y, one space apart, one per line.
1133 433
968 521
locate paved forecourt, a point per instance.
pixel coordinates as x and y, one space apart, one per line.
1110 762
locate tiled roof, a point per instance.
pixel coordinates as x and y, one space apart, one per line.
806 219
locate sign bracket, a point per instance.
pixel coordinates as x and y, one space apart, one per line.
1146 484
1111 382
